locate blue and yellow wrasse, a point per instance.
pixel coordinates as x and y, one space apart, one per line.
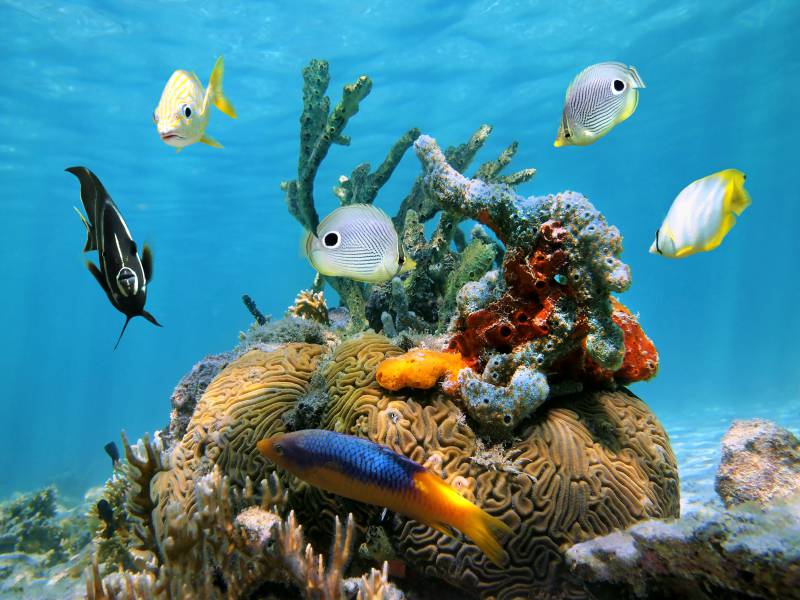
368 472
182 114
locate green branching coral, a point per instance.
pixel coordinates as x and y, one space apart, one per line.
320 127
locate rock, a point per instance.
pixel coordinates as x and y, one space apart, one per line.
760 462
190 388
742 552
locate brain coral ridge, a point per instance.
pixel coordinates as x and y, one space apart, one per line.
582 466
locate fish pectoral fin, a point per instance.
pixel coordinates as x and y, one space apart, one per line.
147 263
215 89
207 139
151 318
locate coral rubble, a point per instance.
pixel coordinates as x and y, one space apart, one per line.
743 552
760 462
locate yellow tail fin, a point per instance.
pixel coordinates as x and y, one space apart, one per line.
487 532
217 96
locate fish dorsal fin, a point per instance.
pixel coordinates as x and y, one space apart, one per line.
147 263
207 139
344 214
637 79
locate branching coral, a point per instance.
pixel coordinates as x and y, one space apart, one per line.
311 305
561 265
232 546
320 127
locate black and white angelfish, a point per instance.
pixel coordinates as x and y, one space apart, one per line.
122 274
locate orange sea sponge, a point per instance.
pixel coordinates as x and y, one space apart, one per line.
421 369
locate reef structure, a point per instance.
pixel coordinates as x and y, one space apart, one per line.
548 324
518 324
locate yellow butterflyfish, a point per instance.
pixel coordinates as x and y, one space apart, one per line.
702 215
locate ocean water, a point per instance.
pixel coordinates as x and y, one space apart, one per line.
81 80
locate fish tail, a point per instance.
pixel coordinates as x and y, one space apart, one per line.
217 95
739 198
487 532
482 528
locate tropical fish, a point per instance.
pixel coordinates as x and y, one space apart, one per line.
368 472
359 242
182 114
599 98
113 453
702 215
106 514
122 274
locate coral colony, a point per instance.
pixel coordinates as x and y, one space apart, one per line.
496 363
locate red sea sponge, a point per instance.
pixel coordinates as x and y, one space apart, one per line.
421 369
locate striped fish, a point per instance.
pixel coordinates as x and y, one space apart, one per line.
598 99
702 215
359 242
182 114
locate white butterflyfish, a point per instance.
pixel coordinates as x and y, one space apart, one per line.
359 242
702 215
598 99
182 114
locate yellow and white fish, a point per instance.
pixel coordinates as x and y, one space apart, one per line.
359 242
598 99
702 215
184 109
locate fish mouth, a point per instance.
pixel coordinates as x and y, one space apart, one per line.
170 136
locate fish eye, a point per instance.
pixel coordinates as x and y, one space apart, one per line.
618 86
401 260
278 449
331 239
186 110
567 134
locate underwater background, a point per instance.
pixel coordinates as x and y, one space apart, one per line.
81 80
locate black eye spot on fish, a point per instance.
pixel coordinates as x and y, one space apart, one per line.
657 248
567 134
619 85
331 239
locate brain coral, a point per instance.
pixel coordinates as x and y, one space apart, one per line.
583 466
245 403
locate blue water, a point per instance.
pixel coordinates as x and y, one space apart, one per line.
80 82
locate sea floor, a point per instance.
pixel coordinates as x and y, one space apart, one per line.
695 436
